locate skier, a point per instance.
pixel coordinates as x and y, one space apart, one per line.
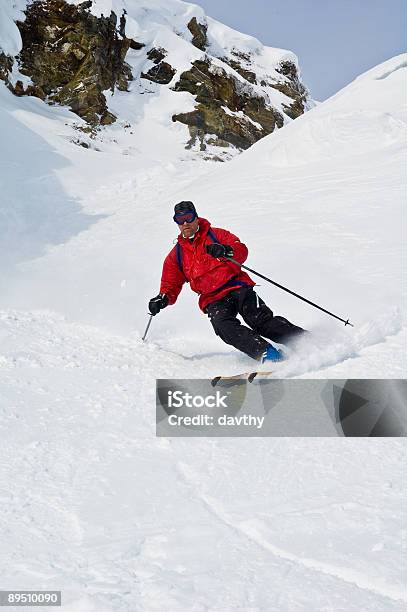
224 289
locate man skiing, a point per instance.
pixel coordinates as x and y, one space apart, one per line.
225 290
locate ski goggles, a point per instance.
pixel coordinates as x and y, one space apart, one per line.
185 217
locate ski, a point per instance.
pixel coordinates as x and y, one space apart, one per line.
249 376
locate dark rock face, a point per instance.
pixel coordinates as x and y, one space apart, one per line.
220 96
72 56
6 65
156 54
238 65
136 45
198 31
293 89
161 72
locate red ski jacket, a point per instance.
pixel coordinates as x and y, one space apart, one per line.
211 278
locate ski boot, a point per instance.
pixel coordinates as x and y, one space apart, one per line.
272 354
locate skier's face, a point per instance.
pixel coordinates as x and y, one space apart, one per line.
189 229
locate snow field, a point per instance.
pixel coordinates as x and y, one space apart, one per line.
92 502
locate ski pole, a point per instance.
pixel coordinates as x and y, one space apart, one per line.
347 322
148 327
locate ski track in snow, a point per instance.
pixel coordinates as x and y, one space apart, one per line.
252 528
91 377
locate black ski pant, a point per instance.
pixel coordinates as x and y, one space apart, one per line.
245 302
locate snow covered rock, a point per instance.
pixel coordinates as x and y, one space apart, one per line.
71 57
80 54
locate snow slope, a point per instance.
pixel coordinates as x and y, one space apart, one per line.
92 502
10 38
328 186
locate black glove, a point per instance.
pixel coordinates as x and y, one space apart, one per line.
219 250
158 303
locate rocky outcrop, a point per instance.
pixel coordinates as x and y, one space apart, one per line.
161 73
227 110
198 31
6 65
292 88
71 57
238 63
